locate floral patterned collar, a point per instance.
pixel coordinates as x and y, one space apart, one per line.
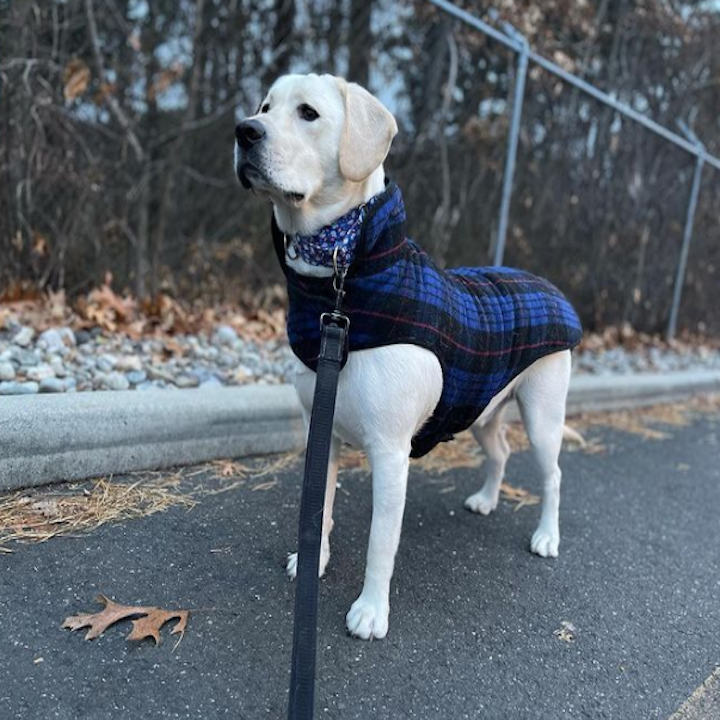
341 235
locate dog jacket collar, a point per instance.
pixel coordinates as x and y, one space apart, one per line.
485 325
318 249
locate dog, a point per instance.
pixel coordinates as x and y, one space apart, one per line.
316 148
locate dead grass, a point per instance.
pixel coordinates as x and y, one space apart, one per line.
226 475
653 422
519 496
39 514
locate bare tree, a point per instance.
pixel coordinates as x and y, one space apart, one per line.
116 134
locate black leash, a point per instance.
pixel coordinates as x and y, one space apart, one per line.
333 351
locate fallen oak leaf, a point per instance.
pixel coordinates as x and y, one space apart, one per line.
147 621
99 622
149 626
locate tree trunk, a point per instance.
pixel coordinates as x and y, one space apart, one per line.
176 152
360 41
283 38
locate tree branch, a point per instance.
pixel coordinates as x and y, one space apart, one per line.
114 105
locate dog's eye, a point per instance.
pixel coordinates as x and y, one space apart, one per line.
307 113
264 108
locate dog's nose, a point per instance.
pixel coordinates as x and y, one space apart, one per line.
249 132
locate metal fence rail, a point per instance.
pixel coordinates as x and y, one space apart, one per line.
515 41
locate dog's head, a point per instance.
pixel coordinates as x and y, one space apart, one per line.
312 139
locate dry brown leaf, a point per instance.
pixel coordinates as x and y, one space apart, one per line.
147 623
40 245
352 459
103 90
228 468
76 77
166 78
161 316
149 626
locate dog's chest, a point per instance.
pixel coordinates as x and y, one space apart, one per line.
384 395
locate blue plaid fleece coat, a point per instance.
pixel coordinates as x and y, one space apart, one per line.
485 325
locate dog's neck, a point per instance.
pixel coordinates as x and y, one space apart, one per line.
308 218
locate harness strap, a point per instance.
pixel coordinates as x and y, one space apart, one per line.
333 349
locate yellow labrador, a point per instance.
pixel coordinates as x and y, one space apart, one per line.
316 148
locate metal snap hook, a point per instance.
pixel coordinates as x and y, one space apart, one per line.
338 273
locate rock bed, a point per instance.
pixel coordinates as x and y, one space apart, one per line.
653 359
62 360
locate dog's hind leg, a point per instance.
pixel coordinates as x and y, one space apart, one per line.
328 523
494 444
541 397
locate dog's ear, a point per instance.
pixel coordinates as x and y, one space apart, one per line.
367 133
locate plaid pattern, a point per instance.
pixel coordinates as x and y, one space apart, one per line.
485 325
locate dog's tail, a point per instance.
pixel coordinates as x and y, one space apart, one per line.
573 436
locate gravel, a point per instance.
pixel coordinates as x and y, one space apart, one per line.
7 371
653 359
62 360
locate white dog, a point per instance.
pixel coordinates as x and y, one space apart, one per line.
316 148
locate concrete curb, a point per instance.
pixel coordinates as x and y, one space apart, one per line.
51 438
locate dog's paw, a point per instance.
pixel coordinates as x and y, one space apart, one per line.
368 620
291 565
292 559
481 503
545 543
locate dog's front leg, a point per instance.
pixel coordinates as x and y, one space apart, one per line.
328 523
368 616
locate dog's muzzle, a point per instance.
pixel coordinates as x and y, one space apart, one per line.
249 134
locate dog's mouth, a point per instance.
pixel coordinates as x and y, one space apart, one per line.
246 174
294 197
252 178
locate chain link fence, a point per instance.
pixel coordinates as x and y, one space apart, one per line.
691 144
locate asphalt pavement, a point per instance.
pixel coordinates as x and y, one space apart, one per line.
473 614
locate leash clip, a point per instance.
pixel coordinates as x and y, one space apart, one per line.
338 277
336 317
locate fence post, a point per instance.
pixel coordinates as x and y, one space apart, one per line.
687 235
513 138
